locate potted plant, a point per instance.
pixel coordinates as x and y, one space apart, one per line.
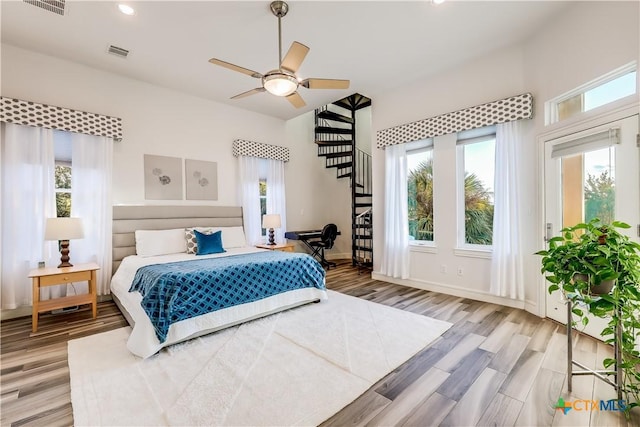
598 268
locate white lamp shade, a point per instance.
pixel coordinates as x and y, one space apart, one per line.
271 221
63 229
280 84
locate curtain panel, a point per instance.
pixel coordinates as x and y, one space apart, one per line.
250 195
395 255
276 200
28 113
507 276
92 165
28 198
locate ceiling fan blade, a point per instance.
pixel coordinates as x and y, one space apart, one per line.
237 68
296 100
325 84
294 57
249 92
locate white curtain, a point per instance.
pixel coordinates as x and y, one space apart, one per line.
507 278
91 200
250 193
395 256
28 197
276 203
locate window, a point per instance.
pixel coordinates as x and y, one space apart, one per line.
420 190
476 169
263 202
63 189
611 87
62 172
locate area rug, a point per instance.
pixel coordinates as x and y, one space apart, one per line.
298 367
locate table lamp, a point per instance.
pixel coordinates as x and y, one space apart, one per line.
63 230
271 221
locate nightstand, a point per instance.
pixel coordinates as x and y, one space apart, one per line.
51 276
282 247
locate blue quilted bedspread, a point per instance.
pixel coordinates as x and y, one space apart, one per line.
180 290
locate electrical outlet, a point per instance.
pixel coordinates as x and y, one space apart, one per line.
460 270
443 269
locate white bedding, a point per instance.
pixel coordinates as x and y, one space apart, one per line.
143 341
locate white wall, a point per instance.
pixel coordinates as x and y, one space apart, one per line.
155 120
587 40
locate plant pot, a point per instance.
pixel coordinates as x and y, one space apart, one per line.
602 289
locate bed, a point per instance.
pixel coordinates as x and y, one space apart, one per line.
149 333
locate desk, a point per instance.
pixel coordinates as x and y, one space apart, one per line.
600 374
51 276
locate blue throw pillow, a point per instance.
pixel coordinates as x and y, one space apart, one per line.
209 243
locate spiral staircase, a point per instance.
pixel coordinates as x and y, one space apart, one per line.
335 136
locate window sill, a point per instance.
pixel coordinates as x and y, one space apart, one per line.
428 248
473 253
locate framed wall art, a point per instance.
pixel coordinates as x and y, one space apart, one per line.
201 178
162 177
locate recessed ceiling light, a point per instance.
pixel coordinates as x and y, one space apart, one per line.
127 10
437 1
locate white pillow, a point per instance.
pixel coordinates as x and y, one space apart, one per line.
160 242
232 237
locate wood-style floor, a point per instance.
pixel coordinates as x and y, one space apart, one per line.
496 366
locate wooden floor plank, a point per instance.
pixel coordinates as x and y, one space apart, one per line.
34 379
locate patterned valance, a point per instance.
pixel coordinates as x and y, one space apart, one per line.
505 110
51 117
243 147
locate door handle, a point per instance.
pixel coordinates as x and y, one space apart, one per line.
548 232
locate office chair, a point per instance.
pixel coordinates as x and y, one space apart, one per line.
328 236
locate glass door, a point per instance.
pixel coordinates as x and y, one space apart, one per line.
592 174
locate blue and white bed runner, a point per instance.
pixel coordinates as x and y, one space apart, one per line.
181 290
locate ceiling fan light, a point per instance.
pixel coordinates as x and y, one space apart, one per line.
280 84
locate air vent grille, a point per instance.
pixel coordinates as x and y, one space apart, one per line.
118 51
55 6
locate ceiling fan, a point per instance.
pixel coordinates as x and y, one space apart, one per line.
283 80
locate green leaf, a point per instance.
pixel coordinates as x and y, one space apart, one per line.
553 288
577 312
608 362
620 224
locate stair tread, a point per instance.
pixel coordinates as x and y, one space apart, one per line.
340 165
362 248
345 175
331 115
334 143
363 205
328 129
336 154
364 194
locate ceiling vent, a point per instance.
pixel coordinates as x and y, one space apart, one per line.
55 6
118 51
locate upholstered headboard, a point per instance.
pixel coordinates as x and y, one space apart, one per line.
128 219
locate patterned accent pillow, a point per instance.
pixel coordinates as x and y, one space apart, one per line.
192 243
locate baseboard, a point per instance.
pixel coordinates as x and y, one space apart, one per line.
451 290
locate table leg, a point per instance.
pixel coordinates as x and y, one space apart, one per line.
35 301
93 292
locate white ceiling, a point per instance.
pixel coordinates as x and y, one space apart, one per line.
378 45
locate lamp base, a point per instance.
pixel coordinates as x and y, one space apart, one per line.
64 251
272 240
